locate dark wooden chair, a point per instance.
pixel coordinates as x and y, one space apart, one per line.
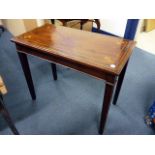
3 109
81 21
64 23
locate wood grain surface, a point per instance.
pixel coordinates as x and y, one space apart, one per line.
104 52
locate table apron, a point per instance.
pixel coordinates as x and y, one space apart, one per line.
95 72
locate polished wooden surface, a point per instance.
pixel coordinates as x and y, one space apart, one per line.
103 52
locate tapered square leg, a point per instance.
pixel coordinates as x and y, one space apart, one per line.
119 84
105 108
54 71
7 117
27 73
53 66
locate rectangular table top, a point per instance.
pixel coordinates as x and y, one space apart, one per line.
104 52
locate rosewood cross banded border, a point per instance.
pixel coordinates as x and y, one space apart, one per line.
101 56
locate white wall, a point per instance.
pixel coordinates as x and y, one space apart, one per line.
19 26
114 26
15 26
139 28
40 22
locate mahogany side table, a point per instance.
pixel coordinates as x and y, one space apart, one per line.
101 56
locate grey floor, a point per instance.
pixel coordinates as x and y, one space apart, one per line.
72 104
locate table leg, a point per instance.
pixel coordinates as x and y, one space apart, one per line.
52 21
27 73
106 104
82 22
81 25
119 84
54 70
97 21
7 117
53 66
